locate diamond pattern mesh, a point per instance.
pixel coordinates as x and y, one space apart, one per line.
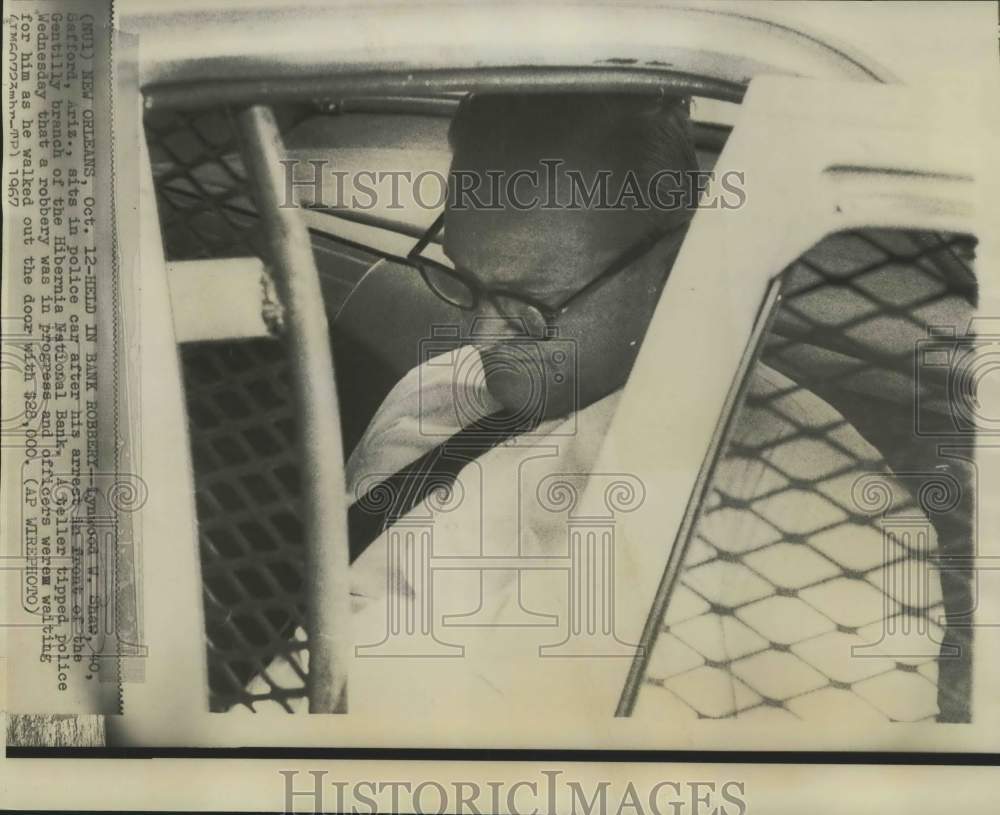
785 572
797 597
242 421
249 508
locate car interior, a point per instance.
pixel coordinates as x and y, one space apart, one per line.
852 307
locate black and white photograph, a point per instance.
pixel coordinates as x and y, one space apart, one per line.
500 376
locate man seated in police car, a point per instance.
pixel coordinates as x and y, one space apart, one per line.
561 291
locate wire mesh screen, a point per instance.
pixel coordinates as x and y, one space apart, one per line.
247 481
242 421
817 583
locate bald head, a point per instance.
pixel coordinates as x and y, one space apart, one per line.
571 140
563 185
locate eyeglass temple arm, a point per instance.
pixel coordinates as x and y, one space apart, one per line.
428 236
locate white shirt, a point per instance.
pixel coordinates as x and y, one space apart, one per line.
716 665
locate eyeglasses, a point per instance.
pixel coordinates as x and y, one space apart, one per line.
462 289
